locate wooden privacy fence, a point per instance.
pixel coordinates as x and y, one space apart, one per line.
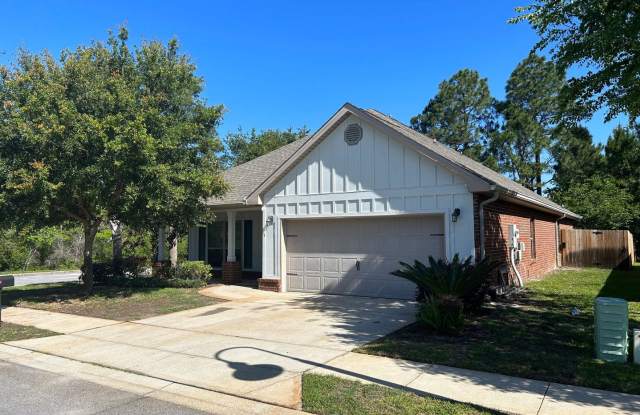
595 248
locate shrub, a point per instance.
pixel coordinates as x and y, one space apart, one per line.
131 267
108 272
448 289
162 269
129 273
182 283
102 272
185 270
193 270
461 279
442 315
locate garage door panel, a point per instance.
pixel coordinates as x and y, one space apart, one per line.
295 264
399 289
331 265
295 282
384 266
370 264
332 285
312 283
362 286
356 256
312 265
348 264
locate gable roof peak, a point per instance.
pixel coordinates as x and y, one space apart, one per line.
249 181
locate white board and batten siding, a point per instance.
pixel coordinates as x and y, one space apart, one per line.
378 176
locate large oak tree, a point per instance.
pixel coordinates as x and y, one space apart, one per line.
106 133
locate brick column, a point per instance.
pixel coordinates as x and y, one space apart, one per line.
231 272
269 284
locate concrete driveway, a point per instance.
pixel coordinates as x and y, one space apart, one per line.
255 347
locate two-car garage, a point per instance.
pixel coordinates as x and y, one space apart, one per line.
355 256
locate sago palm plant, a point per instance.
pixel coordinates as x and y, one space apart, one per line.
448 288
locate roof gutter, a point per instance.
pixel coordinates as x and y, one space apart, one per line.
539 203
481 206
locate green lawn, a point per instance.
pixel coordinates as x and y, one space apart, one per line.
330 395
10 332
534 336
116 303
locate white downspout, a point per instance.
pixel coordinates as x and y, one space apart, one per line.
513 265
558 239
481 217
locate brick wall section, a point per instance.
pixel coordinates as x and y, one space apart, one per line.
269 284
498 216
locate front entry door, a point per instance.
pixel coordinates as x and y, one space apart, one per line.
217 242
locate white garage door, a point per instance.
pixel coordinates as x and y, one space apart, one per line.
355 256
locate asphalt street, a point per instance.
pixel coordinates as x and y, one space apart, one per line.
28 391
45 277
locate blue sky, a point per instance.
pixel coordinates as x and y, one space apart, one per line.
280 64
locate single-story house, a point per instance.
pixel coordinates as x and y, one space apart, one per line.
336 211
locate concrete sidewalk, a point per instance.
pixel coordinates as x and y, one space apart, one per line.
503 393
49 320
259 348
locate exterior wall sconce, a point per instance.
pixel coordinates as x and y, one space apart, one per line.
269 220
455 214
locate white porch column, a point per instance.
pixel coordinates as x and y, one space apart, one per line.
161 240
173 247
231 232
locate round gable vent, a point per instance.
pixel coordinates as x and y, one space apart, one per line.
352 134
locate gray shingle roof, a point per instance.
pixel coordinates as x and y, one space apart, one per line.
246 177
467 163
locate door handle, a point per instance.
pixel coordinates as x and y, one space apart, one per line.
357 265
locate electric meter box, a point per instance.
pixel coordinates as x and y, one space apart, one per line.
514 235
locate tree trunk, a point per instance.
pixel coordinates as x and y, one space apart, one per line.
28 261
90 229
173 247
116 238
538 184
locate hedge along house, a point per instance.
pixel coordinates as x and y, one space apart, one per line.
335 212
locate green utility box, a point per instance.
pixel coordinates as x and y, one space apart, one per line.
611 329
